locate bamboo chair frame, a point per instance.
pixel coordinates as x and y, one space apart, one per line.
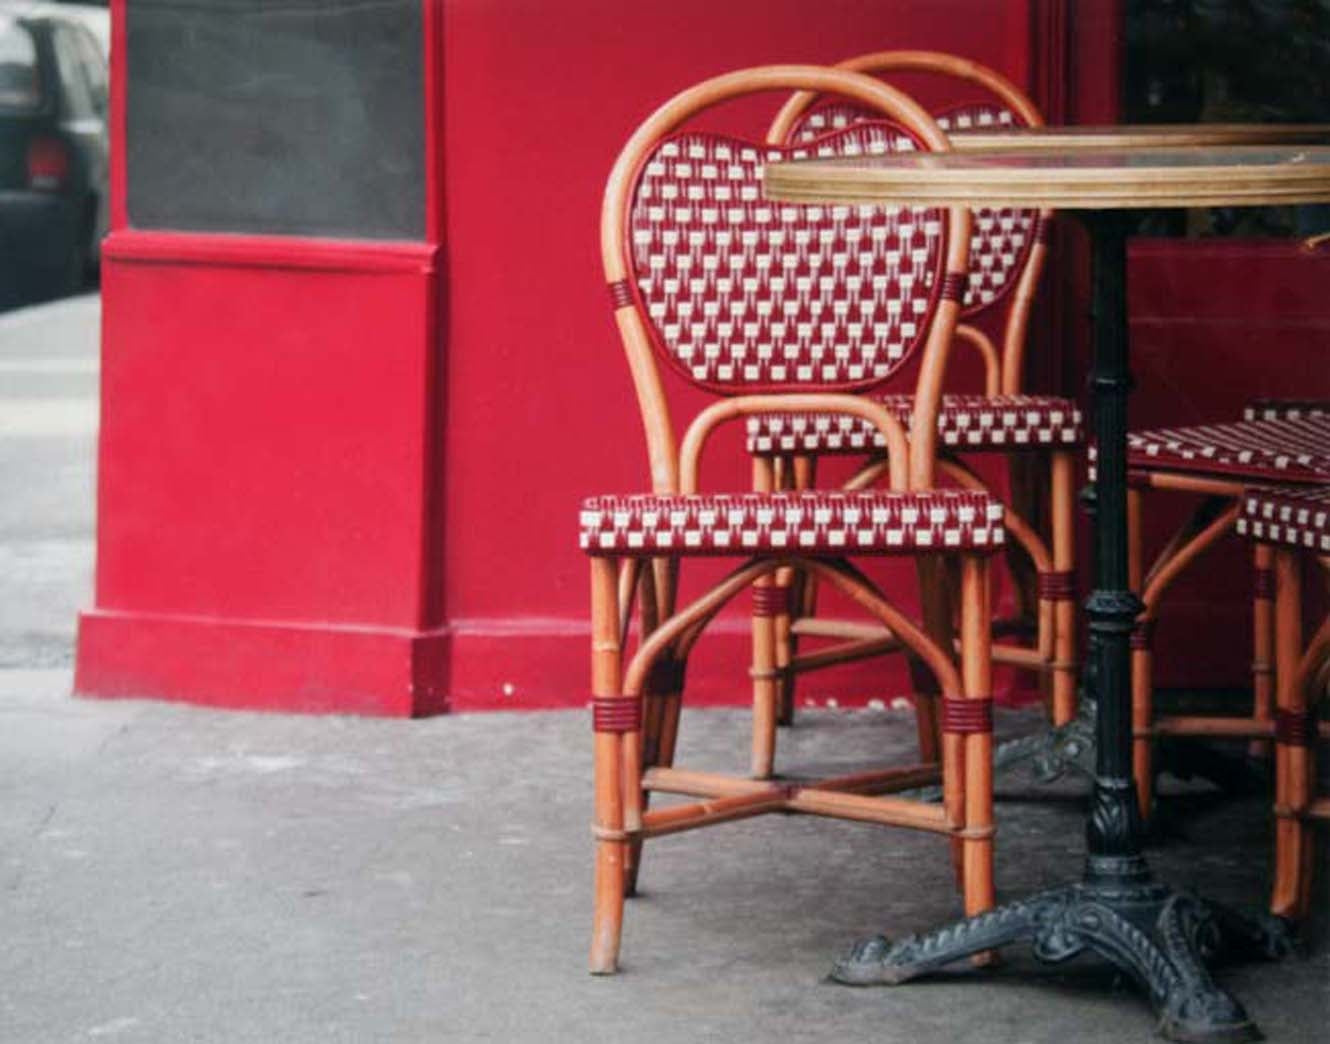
1209 523
1301 684
637 704
1288 679
1054 656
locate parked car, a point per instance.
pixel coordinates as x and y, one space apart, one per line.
53 152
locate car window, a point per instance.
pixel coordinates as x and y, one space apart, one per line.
20 84
73 80
94 67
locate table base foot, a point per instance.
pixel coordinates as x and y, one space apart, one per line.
1161 938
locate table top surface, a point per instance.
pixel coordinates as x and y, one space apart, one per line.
1153 134
1103 178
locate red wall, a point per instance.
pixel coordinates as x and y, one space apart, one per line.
538 100
344 475
271 410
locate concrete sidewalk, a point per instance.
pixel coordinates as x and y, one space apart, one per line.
172 874
48 432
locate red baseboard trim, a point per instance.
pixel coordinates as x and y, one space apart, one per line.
528 665
270 666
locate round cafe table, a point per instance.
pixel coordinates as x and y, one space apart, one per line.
1159 936
1149 135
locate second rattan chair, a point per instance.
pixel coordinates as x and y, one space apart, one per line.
1038 435
1275 443
1292 523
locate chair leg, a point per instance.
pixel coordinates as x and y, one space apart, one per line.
933 595
763 672
800 590
784 582
1293 764
660 731
1063 512
1142 717
977 678
1142 664
1263 637
609 824
977 681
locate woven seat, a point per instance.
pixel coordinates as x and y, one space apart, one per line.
965 422
1292 516
1277 409
806 523
1289 449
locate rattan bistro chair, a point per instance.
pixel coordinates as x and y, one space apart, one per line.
1292 523
774 307
1034 432
1275 443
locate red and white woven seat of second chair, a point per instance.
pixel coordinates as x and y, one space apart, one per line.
1277 443
964 422
1290 447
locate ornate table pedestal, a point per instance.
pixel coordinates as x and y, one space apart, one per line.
1162 938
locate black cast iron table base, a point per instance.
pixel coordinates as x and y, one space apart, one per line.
1160 937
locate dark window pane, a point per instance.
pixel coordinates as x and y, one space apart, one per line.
298 117
1228 61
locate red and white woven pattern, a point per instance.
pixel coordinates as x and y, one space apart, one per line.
1285 409
1000 239
744 293
800 523
974 422
1287 449
1296 516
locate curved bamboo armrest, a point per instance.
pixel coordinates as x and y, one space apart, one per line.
898 450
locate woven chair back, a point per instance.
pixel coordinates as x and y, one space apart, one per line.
743 294
1000 239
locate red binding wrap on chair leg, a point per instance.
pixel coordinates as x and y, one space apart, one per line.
1295 728
1142 635
771 600
964 716
616 714
1263 584
1057 586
